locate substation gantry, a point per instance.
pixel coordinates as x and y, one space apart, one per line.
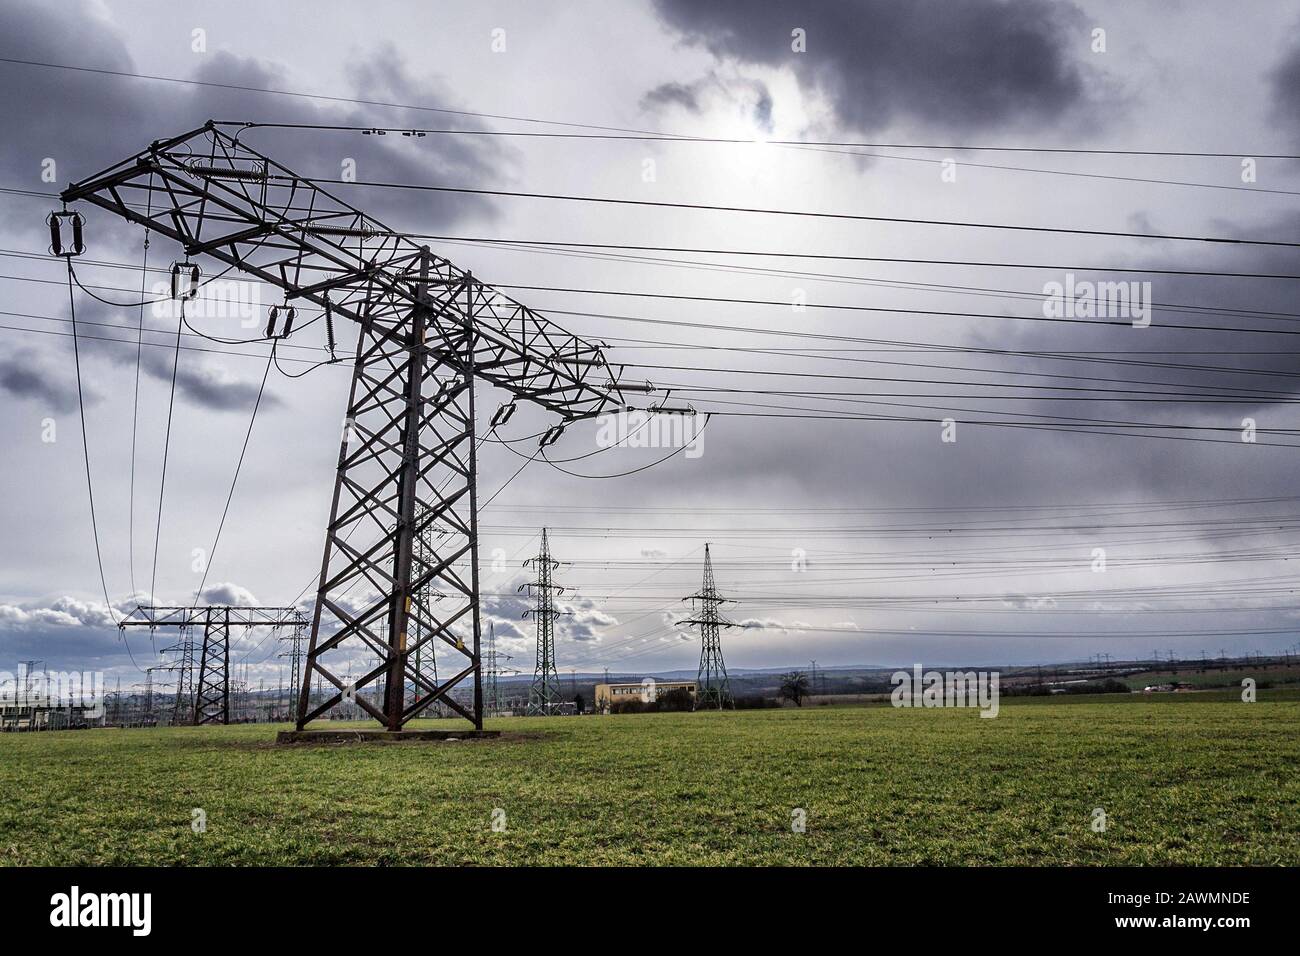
207 697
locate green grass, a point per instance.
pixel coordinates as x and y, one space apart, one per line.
1275 674
1184 779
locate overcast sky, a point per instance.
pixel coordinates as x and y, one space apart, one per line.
842 523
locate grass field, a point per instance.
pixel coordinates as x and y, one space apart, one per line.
1183 779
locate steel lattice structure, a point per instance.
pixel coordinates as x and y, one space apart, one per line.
492 670
712 688
184 646
426 332
295 639
544 693
212 689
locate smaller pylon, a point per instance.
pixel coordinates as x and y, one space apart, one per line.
492 671
544 694
712 687
296 637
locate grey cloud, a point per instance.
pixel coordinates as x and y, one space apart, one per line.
977 65
62 612
60 114
749 96
673 93
228 593
26 374
204 382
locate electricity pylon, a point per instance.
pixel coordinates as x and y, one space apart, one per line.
427 331
295 638
184 702
712 688
425 659
212 689
492 670
544 693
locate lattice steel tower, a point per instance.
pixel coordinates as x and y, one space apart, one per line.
426 332
712 688
296 637
211 692
544 693
183 706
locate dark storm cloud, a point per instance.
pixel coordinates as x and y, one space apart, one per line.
85 122
873 464
203 381
25 374
963 66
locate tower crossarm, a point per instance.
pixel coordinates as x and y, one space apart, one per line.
147 615
218 198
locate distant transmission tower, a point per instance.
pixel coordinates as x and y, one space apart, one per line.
544 693
427 541
713 689
182 707
492 698
295 638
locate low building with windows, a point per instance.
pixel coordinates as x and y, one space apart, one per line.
646 691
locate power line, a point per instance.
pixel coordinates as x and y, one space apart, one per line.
616 129
857 217
848 149
689 138
235 479
85 446
167 441
903 260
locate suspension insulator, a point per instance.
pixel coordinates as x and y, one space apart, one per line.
78 246
502 414
289 314
270 321
552 436
329 327
55 222
185 280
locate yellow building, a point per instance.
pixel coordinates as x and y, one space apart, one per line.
646 691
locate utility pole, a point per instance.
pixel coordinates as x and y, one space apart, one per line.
426 332
712 687
544 693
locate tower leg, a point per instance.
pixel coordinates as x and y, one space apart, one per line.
406 470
